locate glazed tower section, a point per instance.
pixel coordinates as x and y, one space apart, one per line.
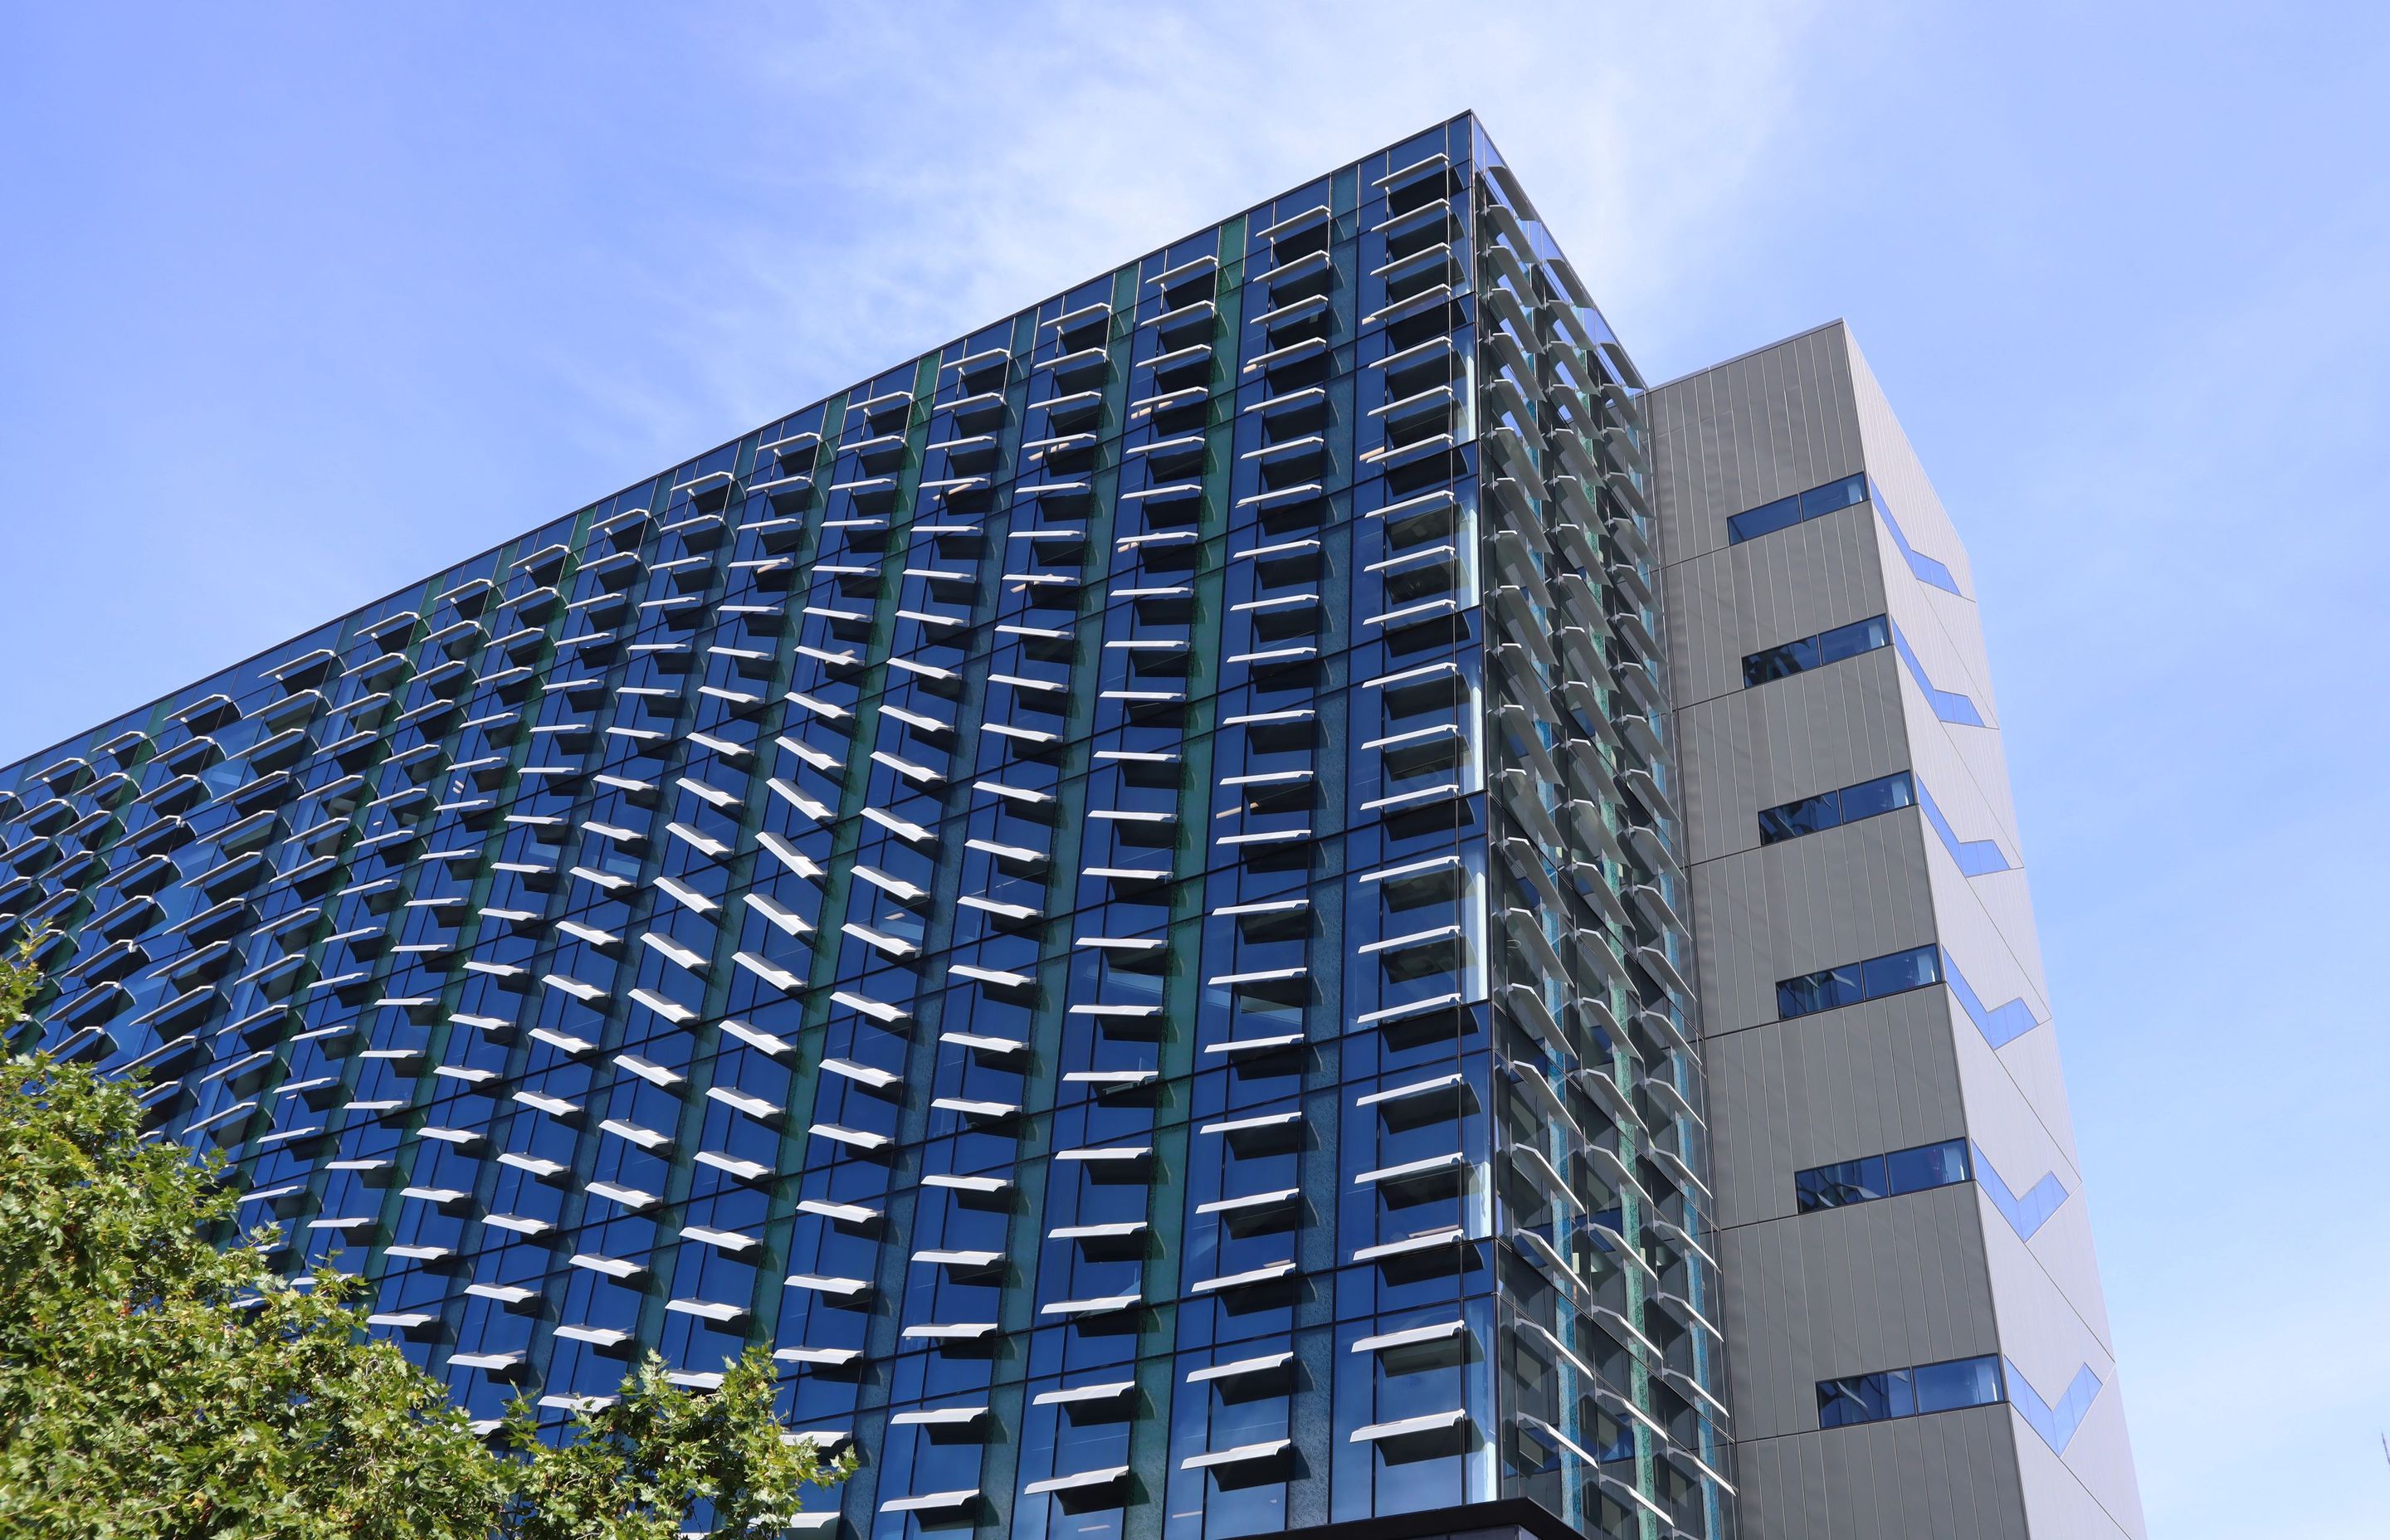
1109 895
1611 1352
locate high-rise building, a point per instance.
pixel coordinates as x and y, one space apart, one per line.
1264 896
1917 1341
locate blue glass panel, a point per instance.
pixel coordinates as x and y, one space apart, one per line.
2025 1213
2000 1024
1842 1184
1960 1382
1884 794
1948 705
1932 1165
1817 502
1815 992
2056 1422
1914 969
1849 641
1924 567
1781 513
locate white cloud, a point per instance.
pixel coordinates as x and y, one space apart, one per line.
979 159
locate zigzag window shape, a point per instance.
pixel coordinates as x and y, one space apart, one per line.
1884 794
1924 1167
1976 857
1817 502
2000 1024
2056 1424
2026 1213
1948 705
1897 972
1924 568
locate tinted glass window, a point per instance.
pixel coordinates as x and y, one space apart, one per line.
1902 970
1932 1165
1815 992
1865 1398
1962 1382
1785 511
1776 662
1844 1183
1764 520
1826 988
1806 817
1809 815
1849 641
1844 641
1818 501
1848 1402
1869 798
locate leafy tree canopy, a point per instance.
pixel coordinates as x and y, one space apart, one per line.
156 1386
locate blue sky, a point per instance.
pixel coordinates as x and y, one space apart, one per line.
300 302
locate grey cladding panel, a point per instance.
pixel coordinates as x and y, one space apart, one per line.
1851 1291
1772 913
1902 1280
1834 1086
1790 737
1795 582
1770 423
1950 1477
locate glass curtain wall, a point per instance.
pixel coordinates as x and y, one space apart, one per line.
1108 895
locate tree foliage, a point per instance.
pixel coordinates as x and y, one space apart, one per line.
156 1386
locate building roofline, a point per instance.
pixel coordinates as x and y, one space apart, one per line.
1752 352
25 760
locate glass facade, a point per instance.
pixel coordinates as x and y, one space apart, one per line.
1112 895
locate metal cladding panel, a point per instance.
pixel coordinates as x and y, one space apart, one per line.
1893 464
2013 1023
1856 892
1850 1291
1746 597
1976 841
1797 736
1972 1057
1834 1086
2091 1489
1954 1477
1767 424
2045 1337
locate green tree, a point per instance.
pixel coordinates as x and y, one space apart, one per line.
20 982
156 1386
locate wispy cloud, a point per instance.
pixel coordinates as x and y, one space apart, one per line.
941 166
322 301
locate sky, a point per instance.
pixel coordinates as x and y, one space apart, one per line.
300 302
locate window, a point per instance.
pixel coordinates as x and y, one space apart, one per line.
1826 646
1811 993
1908 1393
1785 512
1865 1398
1828 809
1850 983
1960 1382
1865 1180
1898 972
1841 1185
1932 1165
